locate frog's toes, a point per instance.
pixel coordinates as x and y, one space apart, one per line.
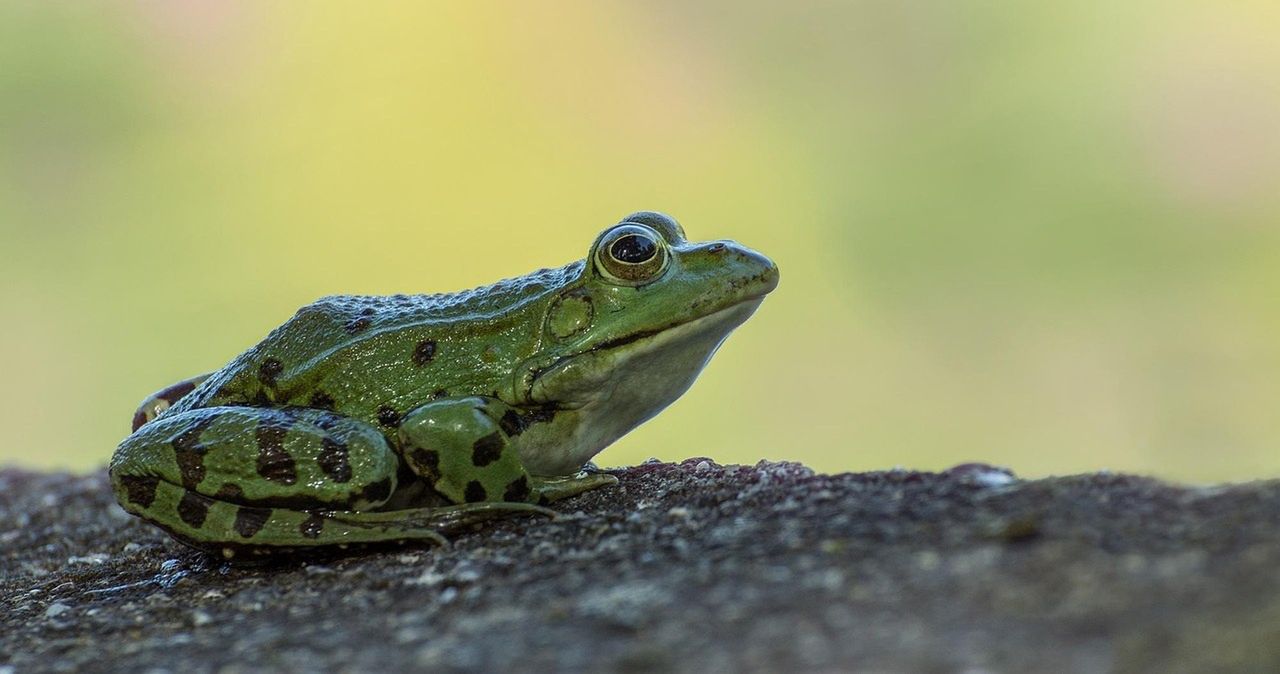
555 488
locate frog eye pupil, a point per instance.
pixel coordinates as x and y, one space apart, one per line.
633 249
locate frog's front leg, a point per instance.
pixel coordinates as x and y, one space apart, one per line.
462 448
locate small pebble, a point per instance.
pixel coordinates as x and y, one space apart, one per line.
427 578
92 558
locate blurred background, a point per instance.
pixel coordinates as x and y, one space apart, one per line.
1041 235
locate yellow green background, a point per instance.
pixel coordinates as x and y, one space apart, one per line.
1038 234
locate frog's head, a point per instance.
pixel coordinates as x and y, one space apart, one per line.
647 313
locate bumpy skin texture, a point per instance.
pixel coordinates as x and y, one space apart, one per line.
370 419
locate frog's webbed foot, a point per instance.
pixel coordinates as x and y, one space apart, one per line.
556 488
442 520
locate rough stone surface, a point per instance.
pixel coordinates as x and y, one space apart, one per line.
689 567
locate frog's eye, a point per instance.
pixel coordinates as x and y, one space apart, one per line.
631 254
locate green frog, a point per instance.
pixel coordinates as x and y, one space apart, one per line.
369 419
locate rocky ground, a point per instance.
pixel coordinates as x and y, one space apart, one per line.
688 567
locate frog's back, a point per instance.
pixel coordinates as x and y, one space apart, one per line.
360 354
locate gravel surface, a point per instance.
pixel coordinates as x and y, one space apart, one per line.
688 567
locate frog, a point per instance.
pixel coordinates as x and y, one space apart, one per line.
410 417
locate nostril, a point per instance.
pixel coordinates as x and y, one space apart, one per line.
715 248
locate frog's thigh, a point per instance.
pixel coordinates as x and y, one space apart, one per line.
294 457
459 447
251 475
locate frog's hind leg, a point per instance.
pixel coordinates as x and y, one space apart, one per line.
239 531
231 477
163 399
236 531
255 480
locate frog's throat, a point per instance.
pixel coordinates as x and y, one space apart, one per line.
610 392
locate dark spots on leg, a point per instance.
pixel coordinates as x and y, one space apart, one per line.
511 422
368 311
333 460
189 452
274 462
440 393
539 416
312 526
387 416
488 449
424 352
475 492
377 491
261 399
269 370
518 490
193 509
358 325
229 491
140 490
427 461
321 401
249 521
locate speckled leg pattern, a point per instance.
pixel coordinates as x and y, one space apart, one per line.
458 446
251 478
464 448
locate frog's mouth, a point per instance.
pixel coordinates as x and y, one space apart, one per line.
678 330
652 366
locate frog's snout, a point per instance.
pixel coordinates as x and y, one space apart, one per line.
754 274
768 274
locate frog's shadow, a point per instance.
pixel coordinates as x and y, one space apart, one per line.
276 559
292 559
